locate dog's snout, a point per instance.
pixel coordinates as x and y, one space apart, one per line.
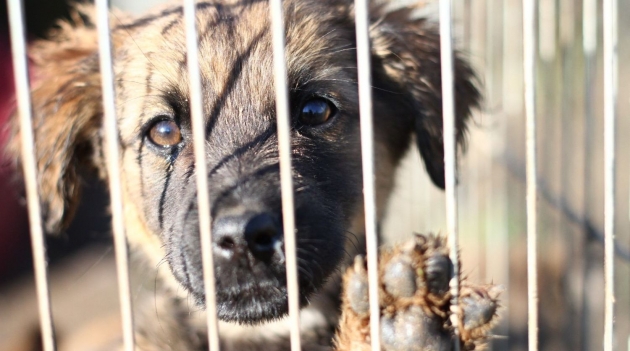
259 234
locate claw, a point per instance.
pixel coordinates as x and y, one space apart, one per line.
419 240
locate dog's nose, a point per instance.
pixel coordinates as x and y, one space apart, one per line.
262 234
258 233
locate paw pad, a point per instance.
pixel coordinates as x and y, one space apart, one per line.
415 302
413 330
439 270
479 307
400 278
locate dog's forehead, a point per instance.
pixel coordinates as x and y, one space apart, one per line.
236 60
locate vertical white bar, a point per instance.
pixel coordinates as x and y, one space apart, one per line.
567 21
203 200
450 153
113 170
529 71
477 28
589 43
610 115
286 178
367 159
589 27
23 92
547 28
466 34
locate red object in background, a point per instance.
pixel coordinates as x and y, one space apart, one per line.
14 239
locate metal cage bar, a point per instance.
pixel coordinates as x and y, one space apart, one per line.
589 46
450 155
29 164
112 154
367 159
286 177
610 115
201 170
529 71
530 45
589 27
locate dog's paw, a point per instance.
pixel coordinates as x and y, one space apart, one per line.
414 301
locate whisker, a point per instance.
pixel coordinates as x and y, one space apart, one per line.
310 254
355 243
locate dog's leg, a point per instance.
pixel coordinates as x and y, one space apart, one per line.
414 302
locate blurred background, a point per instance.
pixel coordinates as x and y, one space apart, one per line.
492 213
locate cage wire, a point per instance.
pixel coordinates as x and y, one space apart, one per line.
542 206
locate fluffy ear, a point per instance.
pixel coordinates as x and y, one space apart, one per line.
407 50
67 114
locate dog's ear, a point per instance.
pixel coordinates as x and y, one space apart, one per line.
66 98
406 50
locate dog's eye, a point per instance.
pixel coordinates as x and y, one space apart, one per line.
316 111
165 133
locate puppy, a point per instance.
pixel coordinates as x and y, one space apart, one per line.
158 166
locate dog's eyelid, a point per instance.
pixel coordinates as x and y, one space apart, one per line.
146 126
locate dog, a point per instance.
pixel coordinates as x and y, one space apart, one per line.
158 166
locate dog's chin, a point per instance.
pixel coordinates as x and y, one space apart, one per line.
253 305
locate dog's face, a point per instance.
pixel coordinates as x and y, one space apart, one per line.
241 137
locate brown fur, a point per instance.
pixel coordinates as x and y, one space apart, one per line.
235 44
